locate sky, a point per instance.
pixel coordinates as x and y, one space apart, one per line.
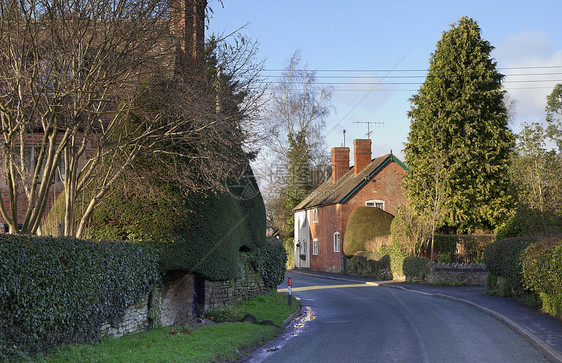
375 53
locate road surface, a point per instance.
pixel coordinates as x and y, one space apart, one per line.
348 322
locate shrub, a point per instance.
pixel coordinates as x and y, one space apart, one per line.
394 252
415 268
367 265
503 259
445 244
61 290
542 272
410 230
364 224
289 248
271 261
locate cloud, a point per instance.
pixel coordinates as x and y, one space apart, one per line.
519 57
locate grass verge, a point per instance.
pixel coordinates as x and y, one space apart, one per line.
219 342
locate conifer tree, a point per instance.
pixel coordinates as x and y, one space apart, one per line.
459 116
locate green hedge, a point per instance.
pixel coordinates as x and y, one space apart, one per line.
61 290
503 261
364 224
415 268
542 272
367 265
201 234
445 244
271 261
396 259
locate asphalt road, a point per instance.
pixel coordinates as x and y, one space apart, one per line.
346 322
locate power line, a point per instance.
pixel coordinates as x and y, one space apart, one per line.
402 70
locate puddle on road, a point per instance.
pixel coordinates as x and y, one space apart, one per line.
296 328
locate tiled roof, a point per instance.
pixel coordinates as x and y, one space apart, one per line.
347 185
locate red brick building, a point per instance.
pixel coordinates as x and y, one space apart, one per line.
321 218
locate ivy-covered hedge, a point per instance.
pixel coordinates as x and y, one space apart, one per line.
61 290
271 261
415 268
503 261
542 272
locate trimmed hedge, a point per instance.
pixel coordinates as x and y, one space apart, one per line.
364 224
415 268
503 260
542 272
202 234
61 290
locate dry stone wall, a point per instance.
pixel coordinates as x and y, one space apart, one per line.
172 303
467 273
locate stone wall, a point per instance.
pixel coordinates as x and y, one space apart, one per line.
468 273
171 303
135 319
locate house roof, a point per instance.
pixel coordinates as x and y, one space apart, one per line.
347 185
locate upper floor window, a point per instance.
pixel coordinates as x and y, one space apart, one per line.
375 203
337 242
315 215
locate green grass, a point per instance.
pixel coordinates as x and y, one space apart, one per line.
220 342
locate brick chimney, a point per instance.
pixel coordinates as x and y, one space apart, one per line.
361 154
188 26
340 162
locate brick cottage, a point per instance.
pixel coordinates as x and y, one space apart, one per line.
321 218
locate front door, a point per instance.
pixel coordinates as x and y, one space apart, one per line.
302 240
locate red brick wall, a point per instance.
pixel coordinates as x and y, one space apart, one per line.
385 186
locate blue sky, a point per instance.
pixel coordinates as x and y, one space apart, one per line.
366 38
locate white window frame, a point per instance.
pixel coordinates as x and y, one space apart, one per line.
315 247
314 215
375 203
337 242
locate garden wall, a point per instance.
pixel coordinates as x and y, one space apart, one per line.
172 303
467 273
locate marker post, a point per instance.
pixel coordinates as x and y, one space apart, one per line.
290 293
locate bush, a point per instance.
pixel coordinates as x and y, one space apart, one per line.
290 249
445 244
503 259
542 272
415 268
364 224
394 252
271 261
366 265
61 290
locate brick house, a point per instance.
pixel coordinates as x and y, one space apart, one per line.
321 218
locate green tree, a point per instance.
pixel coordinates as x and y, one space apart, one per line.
459 113
535 173
554 115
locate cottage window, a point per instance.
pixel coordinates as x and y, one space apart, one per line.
315 215
315 246
375 203
337 242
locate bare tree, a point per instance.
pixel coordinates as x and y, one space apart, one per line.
88 86
298 108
